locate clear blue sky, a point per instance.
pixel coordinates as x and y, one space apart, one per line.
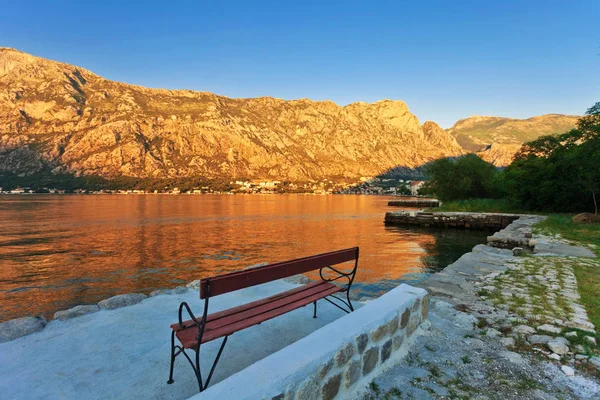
446 59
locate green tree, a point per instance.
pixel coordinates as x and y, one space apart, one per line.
561 172
587 161
403 189
467 177
589 124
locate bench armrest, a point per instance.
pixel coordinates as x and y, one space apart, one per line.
191 314
340 275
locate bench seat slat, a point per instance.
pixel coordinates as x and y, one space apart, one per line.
263 306
229 321
234 310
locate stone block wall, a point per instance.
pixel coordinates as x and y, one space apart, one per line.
462 220
338 360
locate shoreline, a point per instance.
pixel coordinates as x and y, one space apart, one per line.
22 326
125 352
521 307
202 194
463 308
16 328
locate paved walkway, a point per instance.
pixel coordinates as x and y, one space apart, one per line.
541 292
452 360
503 326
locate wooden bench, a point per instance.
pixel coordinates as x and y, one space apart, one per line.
192 333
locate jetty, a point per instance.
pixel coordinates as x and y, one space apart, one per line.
421 203
464 220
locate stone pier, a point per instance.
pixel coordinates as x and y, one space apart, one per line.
463 220
426 203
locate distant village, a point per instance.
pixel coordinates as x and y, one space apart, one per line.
385 186
366 185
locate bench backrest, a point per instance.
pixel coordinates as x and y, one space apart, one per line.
255 276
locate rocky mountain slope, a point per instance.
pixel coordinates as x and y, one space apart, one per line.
64 118
497 139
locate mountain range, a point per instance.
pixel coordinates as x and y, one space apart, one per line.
497 139
65 119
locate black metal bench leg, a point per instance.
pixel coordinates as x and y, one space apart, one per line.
215 362
197 370
349 302
195 365
315 312
172 357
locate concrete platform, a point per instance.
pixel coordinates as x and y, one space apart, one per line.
337 361
124 353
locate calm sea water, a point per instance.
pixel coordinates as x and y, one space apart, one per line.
60 251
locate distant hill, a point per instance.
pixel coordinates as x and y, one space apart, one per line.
497 139
65 119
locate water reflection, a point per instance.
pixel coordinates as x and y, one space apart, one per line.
60 251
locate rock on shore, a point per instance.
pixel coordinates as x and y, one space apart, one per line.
122 300
15 328
76 311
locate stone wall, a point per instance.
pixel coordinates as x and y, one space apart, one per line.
337 361
461 220
414 203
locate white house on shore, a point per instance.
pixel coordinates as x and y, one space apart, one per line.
415 186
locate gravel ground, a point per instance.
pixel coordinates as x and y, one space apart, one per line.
453 360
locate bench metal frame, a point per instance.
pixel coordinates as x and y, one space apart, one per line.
343 304
176 349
